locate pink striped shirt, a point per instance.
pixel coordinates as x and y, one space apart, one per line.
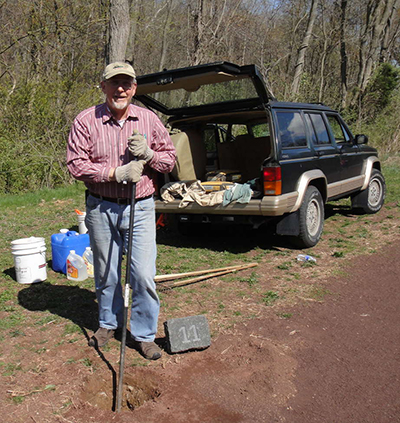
97 143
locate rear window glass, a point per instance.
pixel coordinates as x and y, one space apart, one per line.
291 129
206 94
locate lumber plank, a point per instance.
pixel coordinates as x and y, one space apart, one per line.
173 276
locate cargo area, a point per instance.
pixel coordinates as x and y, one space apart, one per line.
220 151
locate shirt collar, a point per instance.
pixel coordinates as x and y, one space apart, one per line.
107 115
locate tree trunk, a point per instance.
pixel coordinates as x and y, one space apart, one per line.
134 23
198 29
119 27
378 12
386 39
343 54
299 68
164 41
322 71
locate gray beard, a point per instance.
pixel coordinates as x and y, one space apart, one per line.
119 106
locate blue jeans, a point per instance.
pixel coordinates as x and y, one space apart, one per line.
108 226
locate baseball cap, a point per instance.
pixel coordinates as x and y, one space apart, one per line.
118 68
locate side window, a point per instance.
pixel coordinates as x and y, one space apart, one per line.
291 129
260 130
312 130
339 131
239 130
210 139
222 132
320 129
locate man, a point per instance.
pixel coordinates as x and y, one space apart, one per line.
104 155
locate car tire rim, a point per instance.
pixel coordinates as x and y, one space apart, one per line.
374 192
313 218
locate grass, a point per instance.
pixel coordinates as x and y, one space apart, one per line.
270 297
252 280
318 293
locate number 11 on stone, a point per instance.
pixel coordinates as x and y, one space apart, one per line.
187 333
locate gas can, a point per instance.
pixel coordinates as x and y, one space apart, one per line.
62 244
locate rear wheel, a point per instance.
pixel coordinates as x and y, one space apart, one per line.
311 219
372 198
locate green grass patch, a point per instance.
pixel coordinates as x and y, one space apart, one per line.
250 280
71 328
33 199
286 265
318 293
270 297
9 369
285 315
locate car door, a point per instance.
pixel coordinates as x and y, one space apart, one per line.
294 151
351 161
326 152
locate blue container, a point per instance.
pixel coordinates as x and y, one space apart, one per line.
62 244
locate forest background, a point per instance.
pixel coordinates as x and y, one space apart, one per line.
343 53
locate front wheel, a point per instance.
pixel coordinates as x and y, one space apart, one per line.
372 198
311 219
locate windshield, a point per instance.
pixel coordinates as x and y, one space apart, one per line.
237 89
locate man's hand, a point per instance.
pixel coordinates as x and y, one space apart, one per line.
137 145
130 172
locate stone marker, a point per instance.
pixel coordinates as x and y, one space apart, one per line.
187 333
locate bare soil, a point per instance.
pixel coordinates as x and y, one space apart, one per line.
332 358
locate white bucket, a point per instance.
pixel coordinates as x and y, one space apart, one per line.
29 259
81 222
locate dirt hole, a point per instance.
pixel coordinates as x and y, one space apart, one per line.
138 387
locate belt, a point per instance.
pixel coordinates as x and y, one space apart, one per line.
121 201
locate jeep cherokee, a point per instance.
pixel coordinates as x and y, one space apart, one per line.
229 130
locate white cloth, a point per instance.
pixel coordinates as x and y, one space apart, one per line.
190 192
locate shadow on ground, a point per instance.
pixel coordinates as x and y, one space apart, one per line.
234 239
332 209
70 302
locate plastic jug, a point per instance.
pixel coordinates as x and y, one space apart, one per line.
76 267
62 243
88 259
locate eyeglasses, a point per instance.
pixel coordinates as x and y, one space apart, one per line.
116 83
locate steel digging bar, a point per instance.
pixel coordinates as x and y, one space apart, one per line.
126 299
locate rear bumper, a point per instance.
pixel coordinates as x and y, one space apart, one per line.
267 206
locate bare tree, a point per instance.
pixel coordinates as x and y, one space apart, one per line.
387 39
343 54
377 19
197 13
119 27
303 48
165 34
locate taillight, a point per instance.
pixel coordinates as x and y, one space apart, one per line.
272 180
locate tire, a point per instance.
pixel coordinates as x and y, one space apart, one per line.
311 219
372 198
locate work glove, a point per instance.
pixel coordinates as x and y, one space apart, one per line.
137 145
130 172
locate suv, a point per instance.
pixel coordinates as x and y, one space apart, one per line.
292 158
